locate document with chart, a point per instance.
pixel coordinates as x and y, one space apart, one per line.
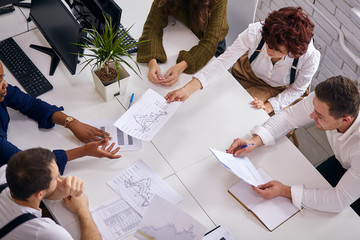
164 220
241 166
115 219
138 185
147 116
121 139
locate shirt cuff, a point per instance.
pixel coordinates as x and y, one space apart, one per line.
296 195
61 160
264 134
275 105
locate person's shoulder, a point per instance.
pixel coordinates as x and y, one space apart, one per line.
48 229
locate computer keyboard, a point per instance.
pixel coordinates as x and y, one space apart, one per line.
128 39
7 9
23 69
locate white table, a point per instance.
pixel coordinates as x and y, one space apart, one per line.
178 153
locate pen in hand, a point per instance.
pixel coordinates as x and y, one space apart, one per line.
243 146
131 100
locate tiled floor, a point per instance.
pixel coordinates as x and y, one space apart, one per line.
313 144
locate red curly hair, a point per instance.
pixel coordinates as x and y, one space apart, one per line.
289 27
200 10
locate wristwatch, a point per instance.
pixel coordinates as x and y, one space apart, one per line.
68 119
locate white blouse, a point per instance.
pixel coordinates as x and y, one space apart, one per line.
346 147
275 75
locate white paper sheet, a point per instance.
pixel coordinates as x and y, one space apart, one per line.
147 116
115 219
240 166
121 139
163 220
138 185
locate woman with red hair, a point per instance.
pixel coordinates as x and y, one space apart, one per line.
277 61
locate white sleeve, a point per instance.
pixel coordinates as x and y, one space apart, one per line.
215 69
280 124
303 78
336 199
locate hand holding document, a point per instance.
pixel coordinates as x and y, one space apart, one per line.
240 166
147 116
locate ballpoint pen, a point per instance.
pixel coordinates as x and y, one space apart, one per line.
131 100
246 145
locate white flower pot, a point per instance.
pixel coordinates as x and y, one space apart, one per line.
113 89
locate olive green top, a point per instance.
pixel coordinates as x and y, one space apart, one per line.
198 55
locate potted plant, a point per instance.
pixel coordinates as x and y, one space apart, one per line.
106 50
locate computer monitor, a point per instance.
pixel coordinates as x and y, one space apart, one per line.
60 29
90 13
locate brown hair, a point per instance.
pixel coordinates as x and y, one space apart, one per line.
28 172
289 27
341 95
200 10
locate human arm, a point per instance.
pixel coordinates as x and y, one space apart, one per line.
95 149
80 206
152 34
280 124
215 31
185 92
82 131
273 189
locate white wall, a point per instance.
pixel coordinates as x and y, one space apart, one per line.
334 59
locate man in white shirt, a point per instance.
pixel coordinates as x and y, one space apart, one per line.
33 175
335 108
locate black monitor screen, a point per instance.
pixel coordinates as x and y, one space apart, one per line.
60 29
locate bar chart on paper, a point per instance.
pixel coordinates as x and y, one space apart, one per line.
121 139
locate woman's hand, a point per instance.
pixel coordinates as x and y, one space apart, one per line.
154 73
172 75
87 133
261 105
184 93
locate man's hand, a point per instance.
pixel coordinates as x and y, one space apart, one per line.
240 146
68 186
87 133
172 75
77 204
154 73
273 189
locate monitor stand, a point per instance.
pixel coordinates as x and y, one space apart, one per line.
49 51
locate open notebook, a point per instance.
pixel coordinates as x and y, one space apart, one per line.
272 213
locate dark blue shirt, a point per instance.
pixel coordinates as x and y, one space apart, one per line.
35 109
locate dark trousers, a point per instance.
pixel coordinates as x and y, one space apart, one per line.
332 171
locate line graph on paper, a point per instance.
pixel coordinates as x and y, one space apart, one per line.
138 185
166 231
164 220
147 116
141 188
145 121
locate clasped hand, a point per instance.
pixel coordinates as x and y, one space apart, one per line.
170 77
